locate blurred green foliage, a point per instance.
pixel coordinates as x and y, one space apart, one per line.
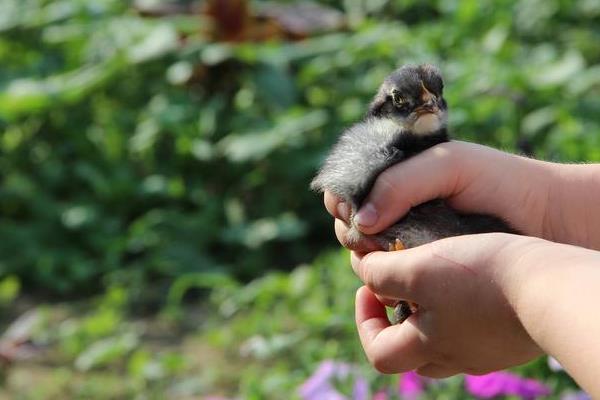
134 150
257 341
143 160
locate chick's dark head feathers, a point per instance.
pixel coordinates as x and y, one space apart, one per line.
412 96
407 116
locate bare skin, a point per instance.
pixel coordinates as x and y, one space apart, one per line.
557 202
486 302
517 296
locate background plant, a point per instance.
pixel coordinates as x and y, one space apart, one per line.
166 155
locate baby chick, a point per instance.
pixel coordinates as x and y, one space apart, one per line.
407 116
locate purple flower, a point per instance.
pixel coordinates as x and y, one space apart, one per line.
504 383
411 385
575 396
361 389
321 384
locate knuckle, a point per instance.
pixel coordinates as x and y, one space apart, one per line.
477 370
434 371
383 365
425 371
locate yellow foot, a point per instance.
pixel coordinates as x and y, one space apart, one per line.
413 307
397 245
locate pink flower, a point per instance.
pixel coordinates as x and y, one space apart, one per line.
320 386
504 383
381 395
411 385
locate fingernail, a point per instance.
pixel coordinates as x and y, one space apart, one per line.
366 216
343 211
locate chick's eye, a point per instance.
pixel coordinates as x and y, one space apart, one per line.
398 100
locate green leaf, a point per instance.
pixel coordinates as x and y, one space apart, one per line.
287 132
29 95
105 351
10 287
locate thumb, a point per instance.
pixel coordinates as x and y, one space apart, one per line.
429 175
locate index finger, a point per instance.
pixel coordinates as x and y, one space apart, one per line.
397 274
390 348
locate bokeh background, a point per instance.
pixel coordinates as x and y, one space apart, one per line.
157 235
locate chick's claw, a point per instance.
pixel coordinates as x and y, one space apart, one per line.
403 310
397 245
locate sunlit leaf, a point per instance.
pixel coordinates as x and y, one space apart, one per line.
560 71
287 132
31 95
159 41
105 351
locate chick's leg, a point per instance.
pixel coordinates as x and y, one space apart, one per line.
403 309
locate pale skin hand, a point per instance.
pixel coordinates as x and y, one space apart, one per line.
551 288
486 302
557 202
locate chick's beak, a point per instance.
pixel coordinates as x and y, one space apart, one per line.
430 103
429 116
431 107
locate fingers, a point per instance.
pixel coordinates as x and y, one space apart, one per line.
427 176
364 245
386 301
397 274
437 371
390 348
336 207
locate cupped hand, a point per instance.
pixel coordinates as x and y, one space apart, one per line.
466 288
472 178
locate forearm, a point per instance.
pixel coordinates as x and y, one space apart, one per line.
573 210
558 302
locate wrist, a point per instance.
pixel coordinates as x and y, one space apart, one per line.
542 281
572 215
556 303
532 182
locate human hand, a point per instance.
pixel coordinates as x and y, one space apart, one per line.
472 179
557 202
466 288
